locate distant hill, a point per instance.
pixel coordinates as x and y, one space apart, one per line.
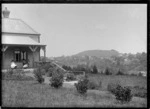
99 53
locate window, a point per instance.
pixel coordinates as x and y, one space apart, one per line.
20 55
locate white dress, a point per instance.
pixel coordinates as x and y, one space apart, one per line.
25 66
13 65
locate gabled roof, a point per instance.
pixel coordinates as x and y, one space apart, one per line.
10 25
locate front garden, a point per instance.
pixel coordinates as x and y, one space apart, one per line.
20 90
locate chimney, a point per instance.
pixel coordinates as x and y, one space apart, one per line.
6 13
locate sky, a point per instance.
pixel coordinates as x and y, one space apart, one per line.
68 29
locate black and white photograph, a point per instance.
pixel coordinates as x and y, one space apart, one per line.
74 55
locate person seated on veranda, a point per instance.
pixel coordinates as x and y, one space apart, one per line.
13 65
25 64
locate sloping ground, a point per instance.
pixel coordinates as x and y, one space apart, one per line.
32 94
65 83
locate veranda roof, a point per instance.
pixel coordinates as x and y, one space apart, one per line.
19 40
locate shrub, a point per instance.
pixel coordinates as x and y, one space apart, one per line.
94 70
50 71
139 91
7 74
122 94
92 85
10 71
82 85
16 75
112 86
46 66
141 94
57 79
70 77
120 73
38 75
107 72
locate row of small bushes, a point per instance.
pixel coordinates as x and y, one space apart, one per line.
15 75
56 77
122 94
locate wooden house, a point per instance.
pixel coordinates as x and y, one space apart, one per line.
19 42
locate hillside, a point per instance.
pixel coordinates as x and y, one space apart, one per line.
105 58
99 53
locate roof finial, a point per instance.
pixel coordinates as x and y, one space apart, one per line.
6 13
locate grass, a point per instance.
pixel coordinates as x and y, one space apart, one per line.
124 80
31 94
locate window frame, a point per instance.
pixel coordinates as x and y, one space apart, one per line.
19 55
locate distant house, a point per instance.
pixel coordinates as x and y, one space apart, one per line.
144 73
19 42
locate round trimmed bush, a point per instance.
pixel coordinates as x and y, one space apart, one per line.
57 79
82 86
123 94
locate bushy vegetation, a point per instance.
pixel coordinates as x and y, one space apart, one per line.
29 94
57 79
125 62
122 94
38 75
108 72
16 74
67 67
93 85
111 87
120 72
82 85
7 74
70 77
94 70
139 91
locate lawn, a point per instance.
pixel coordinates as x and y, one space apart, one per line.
32 94
124 80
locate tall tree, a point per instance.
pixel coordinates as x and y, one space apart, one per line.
95 71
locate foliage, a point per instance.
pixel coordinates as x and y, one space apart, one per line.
7 74
57 79
70 77
80 77
46 66
94 70
38 75
120 72
82 85
67 67
107 71
16 74
93 85
122 94
139 91
36 95
125 62
112 86
141 94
